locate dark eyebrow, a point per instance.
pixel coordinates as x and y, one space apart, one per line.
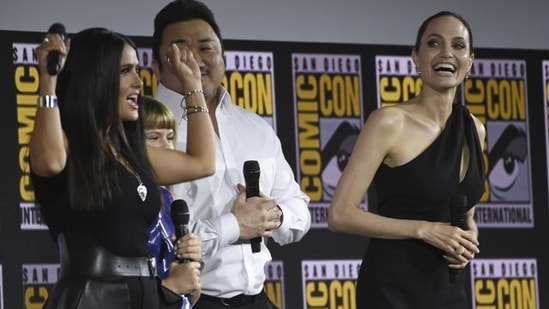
183 40
206 40
177 41
437 35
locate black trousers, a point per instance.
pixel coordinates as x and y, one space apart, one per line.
259 301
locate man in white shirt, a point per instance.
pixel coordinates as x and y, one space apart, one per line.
225 221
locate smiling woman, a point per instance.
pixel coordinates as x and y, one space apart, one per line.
90 169
422 155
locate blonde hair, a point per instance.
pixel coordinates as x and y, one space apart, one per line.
156 115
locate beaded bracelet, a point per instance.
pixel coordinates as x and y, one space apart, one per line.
47 101
189 110
190 93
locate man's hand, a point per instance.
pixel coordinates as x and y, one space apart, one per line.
256 216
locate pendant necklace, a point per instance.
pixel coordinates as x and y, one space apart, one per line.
141 188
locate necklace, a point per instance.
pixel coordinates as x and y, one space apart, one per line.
141 188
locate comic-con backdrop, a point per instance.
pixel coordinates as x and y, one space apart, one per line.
317 96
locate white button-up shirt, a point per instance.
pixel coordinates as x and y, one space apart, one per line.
231 269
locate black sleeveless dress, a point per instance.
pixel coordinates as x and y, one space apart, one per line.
411 273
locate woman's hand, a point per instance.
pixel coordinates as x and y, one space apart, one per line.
188 247
52 42
180 61
459 246
183 278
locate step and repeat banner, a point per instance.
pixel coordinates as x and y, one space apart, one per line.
317 96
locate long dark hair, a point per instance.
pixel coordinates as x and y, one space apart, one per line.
88 88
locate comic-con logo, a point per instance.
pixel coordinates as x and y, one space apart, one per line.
329 284
496 94
329 115
38 281
274 282
150 80
397 79
249 78
505 283
26 77
545 66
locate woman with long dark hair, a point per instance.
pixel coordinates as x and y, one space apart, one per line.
94 178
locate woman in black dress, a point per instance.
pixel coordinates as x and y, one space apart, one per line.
422 155
96 182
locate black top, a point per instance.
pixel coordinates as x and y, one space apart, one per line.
411 273
121 228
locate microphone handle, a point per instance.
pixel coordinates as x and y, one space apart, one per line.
256 244
253 190
54 58
53 62
180 231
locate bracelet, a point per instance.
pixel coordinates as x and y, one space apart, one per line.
47 101
189 110
190 93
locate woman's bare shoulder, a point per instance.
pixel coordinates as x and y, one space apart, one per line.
388 117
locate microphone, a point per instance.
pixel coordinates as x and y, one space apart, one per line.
54 57
180 217
458 209
251 176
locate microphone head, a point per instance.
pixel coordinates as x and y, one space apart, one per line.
251 171
58 28
180 212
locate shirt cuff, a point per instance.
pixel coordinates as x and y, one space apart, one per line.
284 228
229 232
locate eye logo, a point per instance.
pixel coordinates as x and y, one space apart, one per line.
506 158
336 154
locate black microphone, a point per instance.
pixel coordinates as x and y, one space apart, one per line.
251 176
458 209
180 217
54 57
